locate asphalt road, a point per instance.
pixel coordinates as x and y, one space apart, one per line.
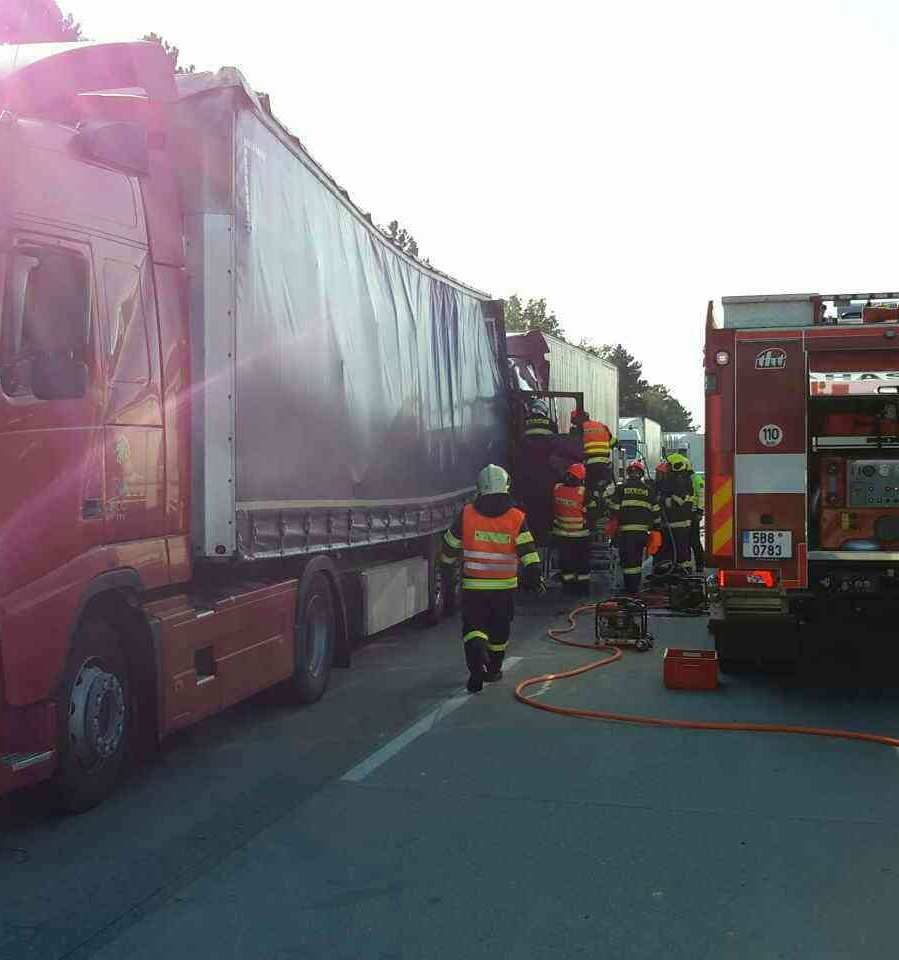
493 830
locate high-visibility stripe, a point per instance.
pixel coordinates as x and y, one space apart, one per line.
492 536
632 570
634 528
572 534
539 432
479 584
530 558
501 568
642 504
485 555
722 520
598 459
568 576
445 559
680 524
583 576
497 647
452 539
475 635
523 538
723 493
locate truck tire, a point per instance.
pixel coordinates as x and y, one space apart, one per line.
315 637
95 714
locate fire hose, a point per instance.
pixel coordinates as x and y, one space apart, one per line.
646 721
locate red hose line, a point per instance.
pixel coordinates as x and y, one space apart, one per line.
615 654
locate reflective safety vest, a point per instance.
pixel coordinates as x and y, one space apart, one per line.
570 511
539 427
636 506
490 549
597 442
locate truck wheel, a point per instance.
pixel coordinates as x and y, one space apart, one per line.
95 714
315 638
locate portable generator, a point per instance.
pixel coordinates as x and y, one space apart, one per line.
622 622
688 594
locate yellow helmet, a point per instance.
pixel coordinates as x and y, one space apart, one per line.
493 479
678 462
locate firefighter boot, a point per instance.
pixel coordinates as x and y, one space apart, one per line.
494 667
475 657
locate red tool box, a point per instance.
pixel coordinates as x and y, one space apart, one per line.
690 669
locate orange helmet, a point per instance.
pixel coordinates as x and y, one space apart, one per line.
578 471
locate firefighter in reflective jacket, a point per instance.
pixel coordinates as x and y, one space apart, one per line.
635 524
598 442
538 422
678 504
574 516
491 537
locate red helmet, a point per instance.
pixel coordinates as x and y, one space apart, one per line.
636 466
578 415
578 471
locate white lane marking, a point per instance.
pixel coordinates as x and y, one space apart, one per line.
398 743
543 688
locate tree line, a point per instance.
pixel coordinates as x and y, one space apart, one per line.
637 397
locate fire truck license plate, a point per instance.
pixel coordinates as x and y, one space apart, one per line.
767 544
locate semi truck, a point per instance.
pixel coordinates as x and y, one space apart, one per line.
640 438
234 417
802 467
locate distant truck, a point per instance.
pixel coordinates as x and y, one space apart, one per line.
691 445
641 439
235 419
802 468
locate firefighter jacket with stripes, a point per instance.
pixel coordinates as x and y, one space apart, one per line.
490 547
573 512
677 498
598 442
540 427
636 506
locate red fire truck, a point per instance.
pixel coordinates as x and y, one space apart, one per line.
802 466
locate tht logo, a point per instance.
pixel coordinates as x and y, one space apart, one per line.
771 359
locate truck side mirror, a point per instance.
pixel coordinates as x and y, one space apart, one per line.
58 378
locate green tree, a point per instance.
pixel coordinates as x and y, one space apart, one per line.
36 21
402 238
173 52
631 385
661 406
523 318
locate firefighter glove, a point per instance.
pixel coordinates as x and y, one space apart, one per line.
655 543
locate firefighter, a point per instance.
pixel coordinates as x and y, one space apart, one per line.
538 422
491 537
598 442
635 524
678 501
696 545
574 516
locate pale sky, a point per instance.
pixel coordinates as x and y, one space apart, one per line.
629 161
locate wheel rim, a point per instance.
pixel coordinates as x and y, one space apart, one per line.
318 629
96 714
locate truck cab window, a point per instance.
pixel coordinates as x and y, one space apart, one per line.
45 323
127 346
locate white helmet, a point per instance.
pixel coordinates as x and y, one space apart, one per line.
493 479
